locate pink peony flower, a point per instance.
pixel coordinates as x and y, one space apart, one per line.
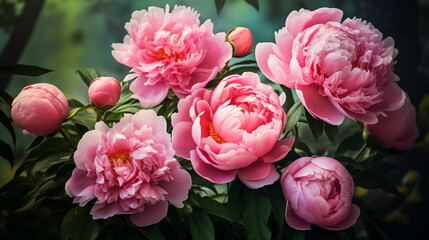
318 191
40 109
398 129
338 69
242 39
170 50
129 169
104 91
232 130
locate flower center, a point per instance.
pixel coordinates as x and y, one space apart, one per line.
119 159
160 54
214 135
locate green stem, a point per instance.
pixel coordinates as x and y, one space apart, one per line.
67 137
361 151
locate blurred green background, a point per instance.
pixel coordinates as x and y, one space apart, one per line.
65 35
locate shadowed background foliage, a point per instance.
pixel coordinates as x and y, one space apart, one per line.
65 35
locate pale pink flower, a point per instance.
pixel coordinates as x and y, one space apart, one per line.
318 191
170 50
398 129
242 39
40 109
129 169
232 130
104 91
338 69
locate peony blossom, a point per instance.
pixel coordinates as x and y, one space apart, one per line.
242 40
338 69
232 130
398 129
318 191
40 109
104 91
129 169
170 50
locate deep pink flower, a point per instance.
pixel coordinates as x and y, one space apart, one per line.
242 39
232 130
338 69
40 109
129 169
170 50
398 129
104 91
318 191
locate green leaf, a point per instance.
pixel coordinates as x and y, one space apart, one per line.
293 116
6 122
13 191
20 69
87 75
245 62
36 142
198 180
219 5
333 134
371 181
49 145
85 118
6 98
78 224
201 225
48 160
349 163
278 205
152 232
256 211
302 147
235 199
241 70
6 152
352 143
316 126
74 111
254 4
294 234
213 207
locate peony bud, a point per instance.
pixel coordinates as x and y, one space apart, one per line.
104 91
40 109
241 39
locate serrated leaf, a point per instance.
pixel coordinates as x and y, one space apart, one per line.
87 75
235 199
6 152
78 224
293 116
256 211
24 70
6 98
315 125
352 143
201 225
219 5
6 122
333 134
254 4
278 205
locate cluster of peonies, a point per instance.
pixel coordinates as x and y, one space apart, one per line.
338 69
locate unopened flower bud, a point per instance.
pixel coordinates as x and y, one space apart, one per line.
104 91
242 40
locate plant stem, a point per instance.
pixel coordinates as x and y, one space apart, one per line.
361 151
67 137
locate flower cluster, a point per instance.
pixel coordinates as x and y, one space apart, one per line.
235 130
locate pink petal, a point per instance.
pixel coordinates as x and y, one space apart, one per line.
393 98
87 149
294 221
258 174
81 187
177 189
262 53
296 22
348 221
318 105
103 210
151 214
148 95
279 151
183 142
209 172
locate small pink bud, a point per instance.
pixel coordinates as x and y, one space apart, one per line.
241 39
39 109
104 91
